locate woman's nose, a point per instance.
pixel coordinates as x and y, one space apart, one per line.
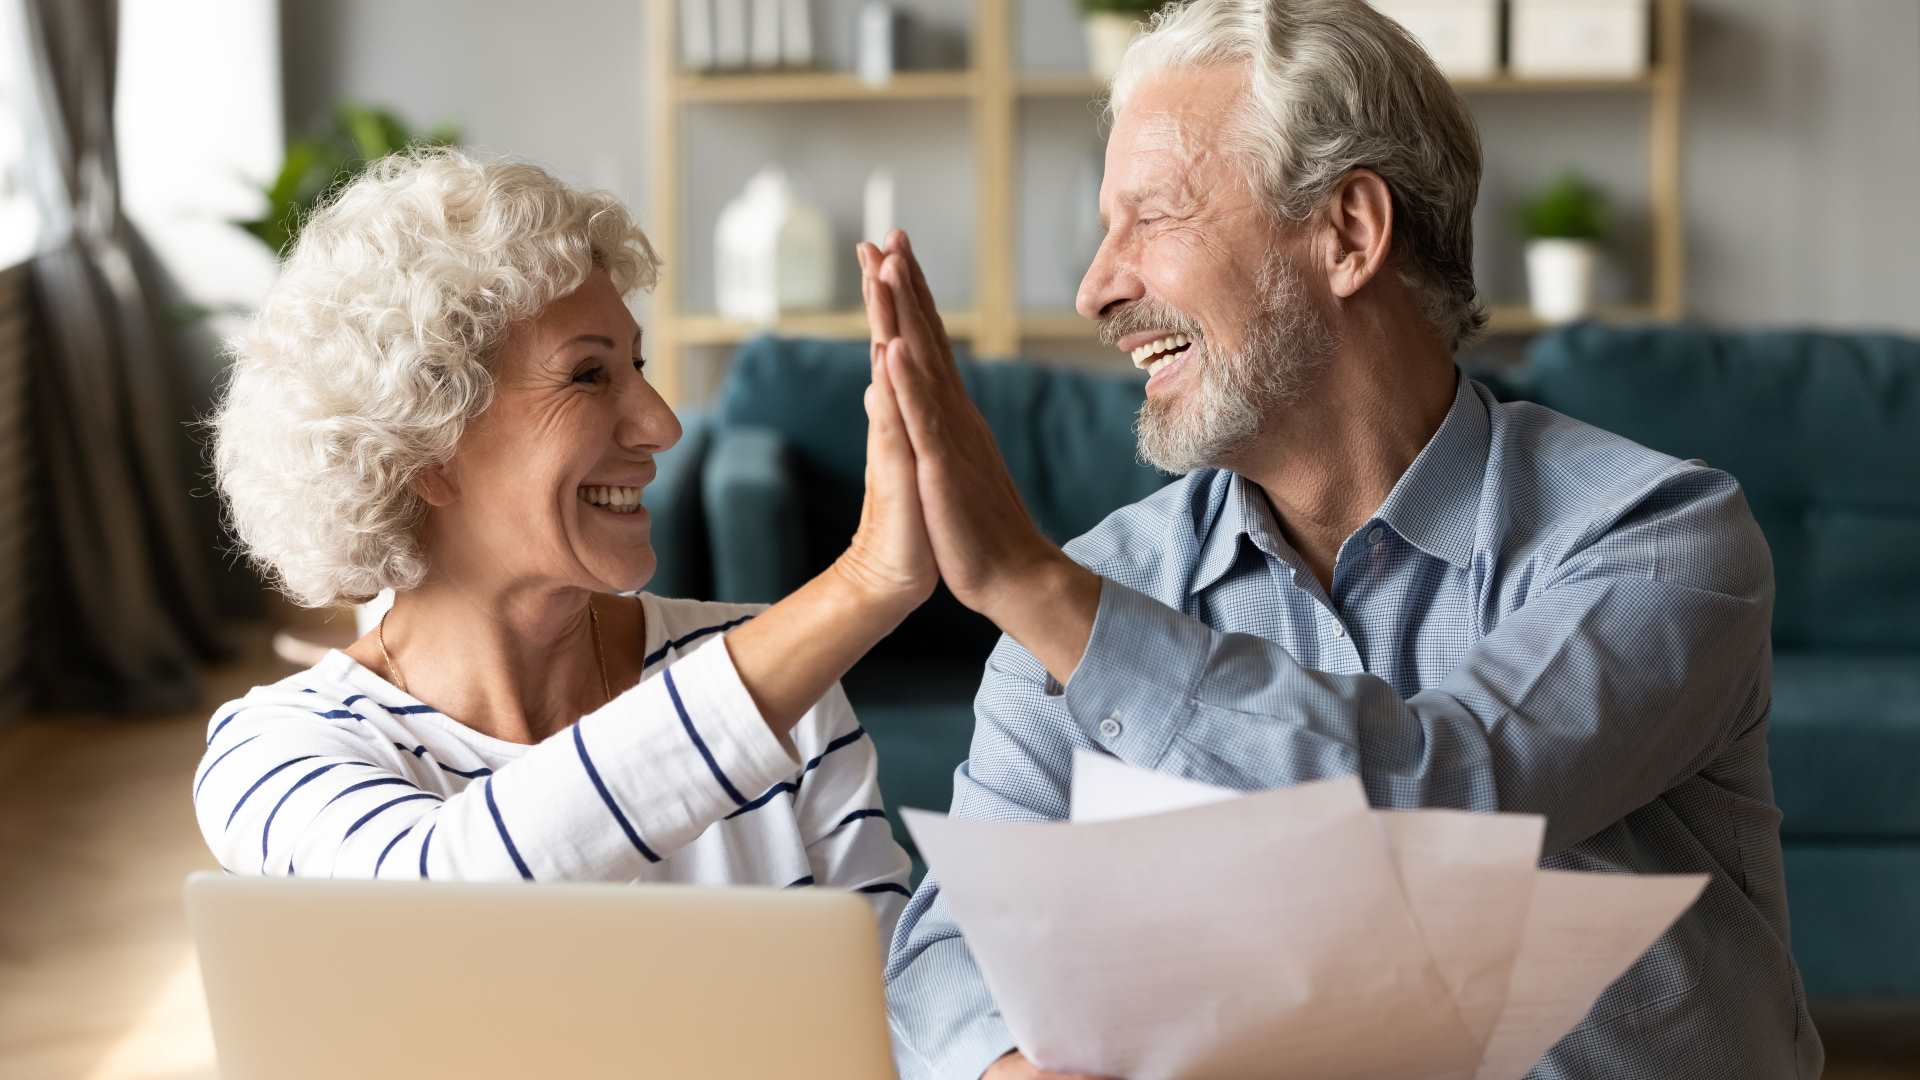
647 422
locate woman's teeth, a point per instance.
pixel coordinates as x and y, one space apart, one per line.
620 500
1151 356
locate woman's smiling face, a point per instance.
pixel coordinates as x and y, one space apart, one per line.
544 488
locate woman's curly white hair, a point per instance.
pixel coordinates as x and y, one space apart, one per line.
376 347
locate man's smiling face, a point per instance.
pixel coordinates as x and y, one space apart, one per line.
1195 279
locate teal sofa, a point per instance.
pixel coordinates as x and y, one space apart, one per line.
1823 431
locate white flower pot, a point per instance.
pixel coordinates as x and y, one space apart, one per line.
1560 278
1108 35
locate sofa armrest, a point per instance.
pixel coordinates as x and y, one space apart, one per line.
679 520
754 512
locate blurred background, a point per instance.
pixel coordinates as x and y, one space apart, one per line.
1696 227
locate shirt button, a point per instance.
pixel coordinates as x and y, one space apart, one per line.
1110 728
1339 630
1376 535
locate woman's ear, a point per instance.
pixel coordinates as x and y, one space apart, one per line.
1360 215
436 485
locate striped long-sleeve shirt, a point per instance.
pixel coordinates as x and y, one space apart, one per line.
334 772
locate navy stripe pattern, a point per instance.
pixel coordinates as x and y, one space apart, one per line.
506 840
693 733
613 807
318 775
675 645
424 845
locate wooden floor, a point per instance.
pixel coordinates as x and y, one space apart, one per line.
97 978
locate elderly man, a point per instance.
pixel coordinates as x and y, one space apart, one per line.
1370 566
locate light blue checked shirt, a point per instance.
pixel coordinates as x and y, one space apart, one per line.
1543 617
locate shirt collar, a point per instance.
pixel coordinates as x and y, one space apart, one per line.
1432 506
1435 502
1220 546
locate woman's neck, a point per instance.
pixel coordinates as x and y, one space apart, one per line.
514 664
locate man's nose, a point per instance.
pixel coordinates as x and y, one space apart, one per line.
1108 281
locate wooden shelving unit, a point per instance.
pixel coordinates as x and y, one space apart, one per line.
993 90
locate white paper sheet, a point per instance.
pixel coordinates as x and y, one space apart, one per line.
1188 945
1174 929
1583 932
1468 878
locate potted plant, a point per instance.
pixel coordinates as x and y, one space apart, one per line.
1111 26
317 164
1563 226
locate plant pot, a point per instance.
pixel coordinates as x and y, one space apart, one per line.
1108 35
1560 278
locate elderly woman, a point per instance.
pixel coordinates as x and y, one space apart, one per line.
445 395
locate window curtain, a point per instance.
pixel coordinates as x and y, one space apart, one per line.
123 607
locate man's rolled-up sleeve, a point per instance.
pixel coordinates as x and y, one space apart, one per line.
1641 657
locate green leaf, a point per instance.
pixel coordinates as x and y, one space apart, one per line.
1567 209
1142 8
317 163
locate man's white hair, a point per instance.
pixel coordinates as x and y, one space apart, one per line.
1335 86
376 348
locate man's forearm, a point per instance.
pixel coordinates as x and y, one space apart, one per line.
1049 609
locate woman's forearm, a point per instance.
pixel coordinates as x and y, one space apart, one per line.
791 654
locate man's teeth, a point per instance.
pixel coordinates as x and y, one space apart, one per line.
620 500
1153 354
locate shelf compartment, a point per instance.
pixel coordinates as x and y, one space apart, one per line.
823 86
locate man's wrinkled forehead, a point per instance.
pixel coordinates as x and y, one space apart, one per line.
1177 119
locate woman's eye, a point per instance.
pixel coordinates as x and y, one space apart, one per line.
590 375
640 364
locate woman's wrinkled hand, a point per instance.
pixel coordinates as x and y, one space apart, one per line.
889 559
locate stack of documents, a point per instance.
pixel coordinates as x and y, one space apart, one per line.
1173 929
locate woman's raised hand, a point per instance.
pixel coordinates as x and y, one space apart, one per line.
890 554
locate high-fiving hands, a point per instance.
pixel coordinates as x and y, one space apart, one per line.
988 550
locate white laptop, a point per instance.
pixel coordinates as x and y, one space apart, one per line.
414 979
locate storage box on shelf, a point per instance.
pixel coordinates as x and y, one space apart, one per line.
1462 36
1579 37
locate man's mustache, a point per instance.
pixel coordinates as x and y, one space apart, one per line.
1144 314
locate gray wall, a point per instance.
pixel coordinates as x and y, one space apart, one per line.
1803 141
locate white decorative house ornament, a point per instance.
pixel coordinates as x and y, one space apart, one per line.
1462 36
772 253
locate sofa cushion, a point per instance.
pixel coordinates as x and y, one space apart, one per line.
1852 909
920 717
1820 430
1845 744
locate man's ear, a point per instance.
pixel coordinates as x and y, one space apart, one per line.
1360 222
436 485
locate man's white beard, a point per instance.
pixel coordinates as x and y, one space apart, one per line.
1286 348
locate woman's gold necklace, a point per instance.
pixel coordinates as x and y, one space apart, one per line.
593 626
